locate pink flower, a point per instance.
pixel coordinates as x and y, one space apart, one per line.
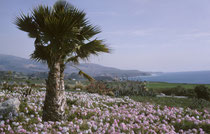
60 128
39 119
11 132
9 128
178 120
123 126
36 129
22 131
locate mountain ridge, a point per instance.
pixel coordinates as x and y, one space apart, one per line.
18 64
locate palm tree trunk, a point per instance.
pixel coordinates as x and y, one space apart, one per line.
62 67
55 99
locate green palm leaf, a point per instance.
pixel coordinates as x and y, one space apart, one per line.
86 76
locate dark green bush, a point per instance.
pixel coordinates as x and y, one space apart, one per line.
125 88
186 125
199 103
202 92
179 91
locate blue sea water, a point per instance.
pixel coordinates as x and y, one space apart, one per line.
198 77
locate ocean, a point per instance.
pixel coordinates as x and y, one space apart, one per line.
197 77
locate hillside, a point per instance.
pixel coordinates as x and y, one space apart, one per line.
13 63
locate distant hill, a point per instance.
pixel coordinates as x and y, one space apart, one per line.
13 63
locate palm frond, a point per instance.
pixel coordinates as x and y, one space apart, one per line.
60 31
73 59
86 76
62 5
26 23
89 31
92 48
41 53
81 73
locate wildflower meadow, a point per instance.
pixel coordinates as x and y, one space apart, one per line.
92 113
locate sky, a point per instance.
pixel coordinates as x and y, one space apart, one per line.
146 35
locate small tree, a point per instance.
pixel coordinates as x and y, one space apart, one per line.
62 34
9 75
202 92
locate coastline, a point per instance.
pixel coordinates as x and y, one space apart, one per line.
201 77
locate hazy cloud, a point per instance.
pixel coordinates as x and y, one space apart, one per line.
197 34
107 13
134 32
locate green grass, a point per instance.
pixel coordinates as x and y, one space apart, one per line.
174 102
165 85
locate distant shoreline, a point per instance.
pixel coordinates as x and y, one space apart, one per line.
197 77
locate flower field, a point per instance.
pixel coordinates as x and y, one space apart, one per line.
93 113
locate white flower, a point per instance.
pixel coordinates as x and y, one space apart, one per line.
65 129
27 119
15 123
95 127
2 122
40 125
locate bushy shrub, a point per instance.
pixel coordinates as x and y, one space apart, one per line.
101 88
75 86
69 86
131 88
202 92
186 125
80 85
199 103
128 88
179 91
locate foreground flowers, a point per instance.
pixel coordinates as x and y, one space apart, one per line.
93 113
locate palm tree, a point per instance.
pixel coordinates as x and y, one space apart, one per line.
62 34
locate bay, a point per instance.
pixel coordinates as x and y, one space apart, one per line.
196 77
